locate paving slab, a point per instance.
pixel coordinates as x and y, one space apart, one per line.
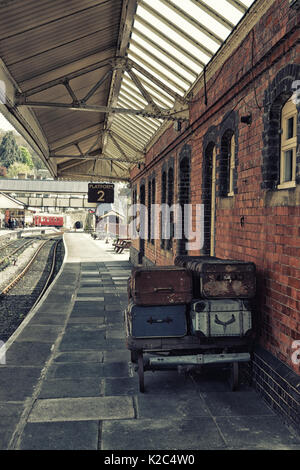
82 409
83 356
66 435
17 383
161 434
120 386
75 370
40 333
10 414
257 432
71 388
162 406
235 404
28 353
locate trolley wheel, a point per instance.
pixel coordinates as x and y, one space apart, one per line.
141 371
234 376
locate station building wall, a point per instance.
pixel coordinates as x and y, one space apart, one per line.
258 222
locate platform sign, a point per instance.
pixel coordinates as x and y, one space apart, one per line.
101 193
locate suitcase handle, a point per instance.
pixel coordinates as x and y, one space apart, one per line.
155 320
224 323
163 289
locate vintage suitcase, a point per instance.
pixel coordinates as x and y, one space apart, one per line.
221 279
227 317
182 260
165 321
160 285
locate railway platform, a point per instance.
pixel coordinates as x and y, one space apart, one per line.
67 382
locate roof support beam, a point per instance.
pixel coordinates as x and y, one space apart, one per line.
128 12
156 71
74 142
96 86
127 88
164 113
128 144
116 143
68 77
142 89
156 80
96 157
95 176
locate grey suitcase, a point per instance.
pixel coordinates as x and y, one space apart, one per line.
166 321
226 317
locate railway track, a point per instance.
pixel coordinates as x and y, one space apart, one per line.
22 293
11 249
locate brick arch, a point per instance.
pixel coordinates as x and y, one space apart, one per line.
228 127
184 181
276 95
210 140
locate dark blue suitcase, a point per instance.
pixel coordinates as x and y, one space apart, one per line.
165 321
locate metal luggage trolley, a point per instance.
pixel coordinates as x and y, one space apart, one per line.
189 351
217 325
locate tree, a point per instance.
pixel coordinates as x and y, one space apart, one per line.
26 157
2 171
17 168
9 150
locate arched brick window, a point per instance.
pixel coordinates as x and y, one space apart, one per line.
151 212
184 181
209 147
276 96
227 174
163 201
170 201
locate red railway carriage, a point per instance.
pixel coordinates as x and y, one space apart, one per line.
48 221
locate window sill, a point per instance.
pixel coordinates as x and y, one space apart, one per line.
287 185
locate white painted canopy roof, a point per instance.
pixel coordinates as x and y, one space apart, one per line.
89 83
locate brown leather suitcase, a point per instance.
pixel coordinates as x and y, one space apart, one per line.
182 260
223 279
160 285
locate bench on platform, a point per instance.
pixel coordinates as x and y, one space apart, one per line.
121 244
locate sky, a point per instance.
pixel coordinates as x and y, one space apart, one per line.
4 124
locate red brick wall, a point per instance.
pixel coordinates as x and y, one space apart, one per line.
270 236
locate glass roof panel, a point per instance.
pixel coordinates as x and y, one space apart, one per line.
182 23
203 17
193 64
172 41
174 36
164 57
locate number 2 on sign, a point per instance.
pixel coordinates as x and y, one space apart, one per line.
101 195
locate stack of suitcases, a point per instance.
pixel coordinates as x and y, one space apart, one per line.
158 302
222 290
202 296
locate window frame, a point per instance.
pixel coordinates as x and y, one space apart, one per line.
289 110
